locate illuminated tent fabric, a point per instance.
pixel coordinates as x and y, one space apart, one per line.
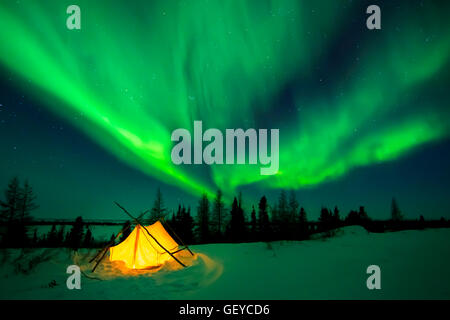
139 250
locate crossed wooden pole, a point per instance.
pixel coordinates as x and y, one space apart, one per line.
104 250
146 230
137 220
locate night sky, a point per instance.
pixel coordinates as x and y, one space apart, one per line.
86 115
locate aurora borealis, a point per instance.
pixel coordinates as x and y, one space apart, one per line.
343 97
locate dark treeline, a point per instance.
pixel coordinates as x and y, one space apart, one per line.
284 220
15 214
16 221
214 221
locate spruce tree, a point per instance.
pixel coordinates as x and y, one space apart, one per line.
283 210
263 219
237 227
26 203
396 214
158 210
363 214
10 207
76 234
289 223
186 224
353 218
303 224
218 214
293 206
336 216
15 212
253 224
203 219
325 218
88 239
60 237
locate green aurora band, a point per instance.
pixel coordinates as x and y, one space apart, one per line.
138 70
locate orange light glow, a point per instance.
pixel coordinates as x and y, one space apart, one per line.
140 251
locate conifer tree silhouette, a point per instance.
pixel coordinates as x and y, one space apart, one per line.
396 214
158 210
76 234
253 224
237 228
303 224
203 219
263 219
218 214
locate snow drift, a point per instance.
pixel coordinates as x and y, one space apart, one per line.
414 265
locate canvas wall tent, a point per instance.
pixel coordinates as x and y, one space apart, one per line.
145 247
139 250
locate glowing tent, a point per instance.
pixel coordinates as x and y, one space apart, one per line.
145 247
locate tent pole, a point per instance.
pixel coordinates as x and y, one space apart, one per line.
110 243
175 234
98 262
184 248
105 249
163 247
181 263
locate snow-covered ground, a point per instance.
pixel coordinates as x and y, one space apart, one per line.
414 265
